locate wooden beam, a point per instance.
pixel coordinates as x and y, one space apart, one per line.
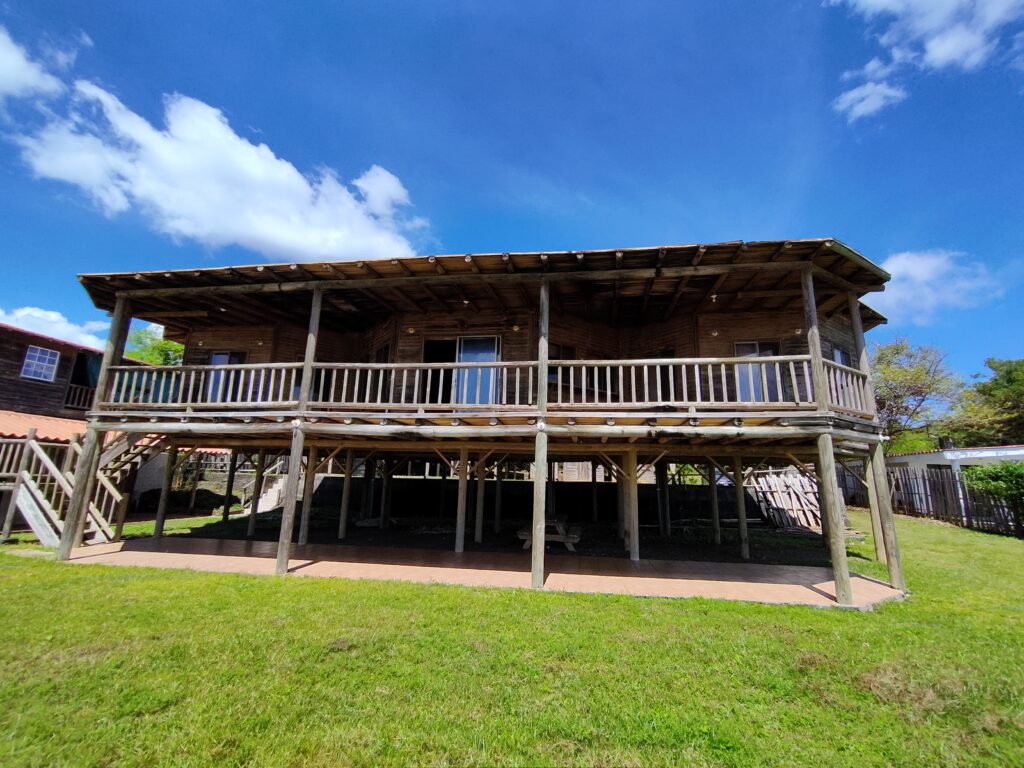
460 509
716 523
814 340
291 492
741 507
170 461
346 495
632 503
230 484
309 482
257 492
828 491
888 523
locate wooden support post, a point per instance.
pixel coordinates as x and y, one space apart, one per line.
230 486
629 471
593 491
814 338
309 482
540 449
620 493
291 494
741 507
664 507
716 521
346 495
12 504
369 479
90 491
84 481
481 489
892 548
860 350
197 462
875 507
497 497
171 459
385 492
257 492
829 503
460 509
538 538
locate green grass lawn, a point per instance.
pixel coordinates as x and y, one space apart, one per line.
109 666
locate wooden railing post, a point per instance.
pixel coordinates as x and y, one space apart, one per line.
814 338
84 471
861 352
12 504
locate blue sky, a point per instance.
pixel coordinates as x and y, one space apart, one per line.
142 136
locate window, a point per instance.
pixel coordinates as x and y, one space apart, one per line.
841 356
476 386
756 383
40 364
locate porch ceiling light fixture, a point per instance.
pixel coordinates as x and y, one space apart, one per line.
694 422
798 331
410 329
714 333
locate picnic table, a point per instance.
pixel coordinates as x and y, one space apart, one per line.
555 529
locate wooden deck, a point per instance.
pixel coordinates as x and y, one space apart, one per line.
774 584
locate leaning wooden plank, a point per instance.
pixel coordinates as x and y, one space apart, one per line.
36 519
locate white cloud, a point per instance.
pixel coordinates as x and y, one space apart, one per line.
20 76
933 34
51 323
924 283
867 99
195 178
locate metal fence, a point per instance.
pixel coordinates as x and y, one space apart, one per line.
942 494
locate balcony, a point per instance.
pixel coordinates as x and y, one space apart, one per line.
763 387
78 397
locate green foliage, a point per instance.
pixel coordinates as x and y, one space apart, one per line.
1004 480
912 385
149 346
991 412
912 441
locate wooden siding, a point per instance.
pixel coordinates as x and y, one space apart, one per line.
30 395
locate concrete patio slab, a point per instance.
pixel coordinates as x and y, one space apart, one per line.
753 582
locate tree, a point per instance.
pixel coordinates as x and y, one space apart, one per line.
912 385
1005 481
149 345
991 412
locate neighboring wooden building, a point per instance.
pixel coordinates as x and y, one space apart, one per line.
727 355
46 376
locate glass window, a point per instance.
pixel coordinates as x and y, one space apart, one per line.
756 383
841 356
40 364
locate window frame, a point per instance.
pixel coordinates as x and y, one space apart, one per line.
25 363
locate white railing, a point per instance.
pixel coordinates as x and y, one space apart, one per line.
849 390
79 397
405 386
741 383
205 386
732 383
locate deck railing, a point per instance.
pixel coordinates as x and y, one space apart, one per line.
734 382
206 386
416 386
849 390
743 384
79 397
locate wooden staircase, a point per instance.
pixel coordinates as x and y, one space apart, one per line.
41 478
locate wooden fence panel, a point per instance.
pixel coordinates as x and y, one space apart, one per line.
942 494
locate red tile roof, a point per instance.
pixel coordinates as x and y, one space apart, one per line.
15 424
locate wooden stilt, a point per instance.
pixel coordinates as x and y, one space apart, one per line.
716 521
230 486
197 463
620 491
481 489
829 503
385 492
85 471
257 492
875 507
593 491
632 503
309 482
887 519
539 528
741 507
291 494
460 509
497 497
664 497
346 495
171 458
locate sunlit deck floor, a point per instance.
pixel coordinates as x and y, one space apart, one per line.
778 584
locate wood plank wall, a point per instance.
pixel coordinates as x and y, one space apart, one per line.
29 395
